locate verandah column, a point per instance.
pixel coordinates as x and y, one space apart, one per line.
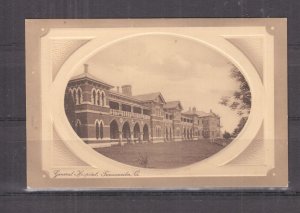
131 137
120 137
141 136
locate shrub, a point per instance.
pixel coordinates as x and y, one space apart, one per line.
226 135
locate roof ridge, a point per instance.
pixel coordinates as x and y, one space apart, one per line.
89 76
148 93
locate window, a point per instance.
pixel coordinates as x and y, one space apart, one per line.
72 95
79 93
99 130
98 98
102 99
94 96
76 96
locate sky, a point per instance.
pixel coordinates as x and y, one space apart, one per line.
179 68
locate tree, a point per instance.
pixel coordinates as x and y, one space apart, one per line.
239 127
70 108
240 101
226 135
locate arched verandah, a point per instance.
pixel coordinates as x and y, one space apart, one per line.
145 133
136 132
114 130
126 131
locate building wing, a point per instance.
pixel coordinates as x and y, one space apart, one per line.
173 105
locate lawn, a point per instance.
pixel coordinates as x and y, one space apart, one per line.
161 155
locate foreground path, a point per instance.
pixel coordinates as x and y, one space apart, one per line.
161 155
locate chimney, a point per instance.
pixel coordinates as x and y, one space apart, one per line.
126 90
194 109
86 68
118 89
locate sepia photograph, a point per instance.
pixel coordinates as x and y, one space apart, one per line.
168 102
174 103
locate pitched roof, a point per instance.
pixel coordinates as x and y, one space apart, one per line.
124 96
150 96
91 77
199 113
172 105
203 114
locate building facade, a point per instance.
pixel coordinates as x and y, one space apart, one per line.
102 115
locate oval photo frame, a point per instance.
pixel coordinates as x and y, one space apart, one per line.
96 160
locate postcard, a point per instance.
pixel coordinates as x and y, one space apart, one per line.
156 104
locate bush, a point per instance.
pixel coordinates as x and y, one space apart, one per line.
226 135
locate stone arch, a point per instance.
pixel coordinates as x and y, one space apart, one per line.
145 133
126 131
136 131
114 129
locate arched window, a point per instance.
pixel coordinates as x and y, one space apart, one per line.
76 96
97 130
98 98
93 96
79 94
101 130
71 92
102 98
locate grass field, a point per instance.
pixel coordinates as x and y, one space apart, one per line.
161 155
